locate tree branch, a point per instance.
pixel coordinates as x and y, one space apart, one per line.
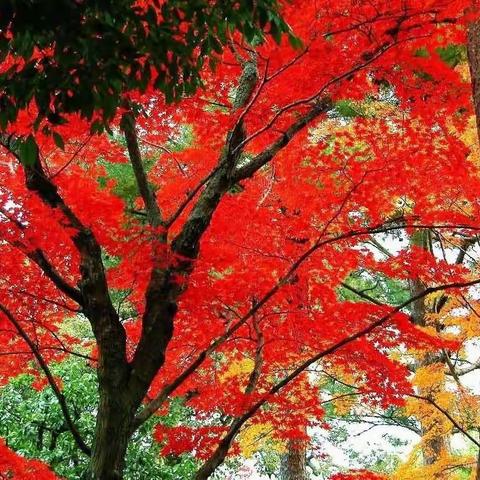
157 402
258 362
51 380
95 298
245 171
148 195
220 453
447 415
38 257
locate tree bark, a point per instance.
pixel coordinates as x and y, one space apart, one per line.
112 434
434 447
473 52
294 461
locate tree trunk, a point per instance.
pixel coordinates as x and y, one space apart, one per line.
434 447
112 434
294 461
473 51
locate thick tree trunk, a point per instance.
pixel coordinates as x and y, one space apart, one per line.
433 447
112 434
294 461
473 50
115 409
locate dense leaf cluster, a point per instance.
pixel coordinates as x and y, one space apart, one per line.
82 56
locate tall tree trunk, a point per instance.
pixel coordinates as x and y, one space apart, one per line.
473 51
112 434
432 447
115 411
294 461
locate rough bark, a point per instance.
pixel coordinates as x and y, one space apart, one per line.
294 461
473 51
114 418
434 447
112 434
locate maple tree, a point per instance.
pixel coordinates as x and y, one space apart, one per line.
205 242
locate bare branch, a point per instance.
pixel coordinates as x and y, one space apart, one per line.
148 195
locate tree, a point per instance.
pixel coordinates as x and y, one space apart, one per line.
83 56
252 201
440 405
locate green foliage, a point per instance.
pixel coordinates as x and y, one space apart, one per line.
125 184
452 54
95 51
421 53
348 109
33 425
268 462
28 151
380 287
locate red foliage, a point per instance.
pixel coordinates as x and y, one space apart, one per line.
15 467
335 183
358 475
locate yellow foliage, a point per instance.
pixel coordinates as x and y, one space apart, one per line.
470 410
238 368
348 374
469 325
256 437
428 377
344 404
445 399
464 70
445 468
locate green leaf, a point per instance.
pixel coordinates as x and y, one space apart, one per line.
421 52
453 54
28 151
57 138
295 42
96 127
347 109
